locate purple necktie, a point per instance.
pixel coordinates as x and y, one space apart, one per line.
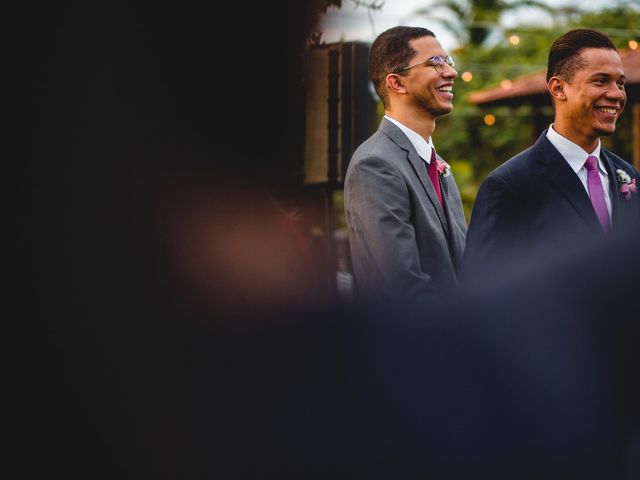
596 192
432 171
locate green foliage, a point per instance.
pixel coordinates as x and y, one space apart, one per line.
616 21
463 173
473 21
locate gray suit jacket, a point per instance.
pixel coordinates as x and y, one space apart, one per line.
403 242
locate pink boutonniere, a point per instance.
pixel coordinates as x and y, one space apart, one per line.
443 168
627 184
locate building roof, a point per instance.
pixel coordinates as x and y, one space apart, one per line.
532 88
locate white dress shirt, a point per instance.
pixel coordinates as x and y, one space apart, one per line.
420 144
576 158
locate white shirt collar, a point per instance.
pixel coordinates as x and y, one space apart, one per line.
572 153
420 144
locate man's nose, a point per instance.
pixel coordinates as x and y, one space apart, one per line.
616 92
449 71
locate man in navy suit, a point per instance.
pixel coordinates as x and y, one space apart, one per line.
543 198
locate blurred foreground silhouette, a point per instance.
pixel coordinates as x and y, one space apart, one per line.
180 327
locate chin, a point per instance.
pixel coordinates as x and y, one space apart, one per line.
605 131
445 110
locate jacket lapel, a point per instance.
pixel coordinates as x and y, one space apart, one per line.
456 237
419 166
558 172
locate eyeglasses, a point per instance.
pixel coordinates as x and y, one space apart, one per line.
437 62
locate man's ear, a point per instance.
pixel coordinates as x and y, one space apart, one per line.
556 85
394 82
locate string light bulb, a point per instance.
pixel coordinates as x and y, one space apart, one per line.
489 119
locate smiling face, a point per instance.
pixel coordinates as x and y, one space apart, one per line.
589 104
429 91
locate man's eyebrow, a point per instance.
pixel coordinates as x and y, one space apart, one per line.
607 75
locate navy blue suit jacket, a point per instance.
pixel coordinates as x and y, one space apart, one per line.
536 202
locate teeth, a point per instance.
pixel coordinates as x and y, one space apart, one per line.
609 110
446 89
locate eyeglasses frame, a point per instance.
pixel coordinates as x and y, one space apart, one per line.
429 63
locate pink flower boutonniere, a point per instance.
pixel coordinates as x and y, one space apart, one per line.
627 185
443 168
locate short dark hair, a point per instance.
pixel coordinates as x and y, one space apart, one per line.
391 51
565 53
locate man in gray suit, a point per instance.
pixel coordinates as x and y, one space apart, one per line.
406 223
